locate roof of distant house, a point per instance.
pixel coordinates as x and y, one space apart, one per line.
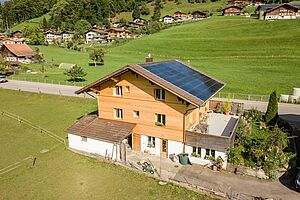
19 49
182 80
265 7
237 7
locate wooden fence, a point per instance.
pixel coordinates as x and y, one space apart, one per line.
42 130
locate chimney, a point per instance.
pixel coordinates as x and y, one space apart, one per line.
149 58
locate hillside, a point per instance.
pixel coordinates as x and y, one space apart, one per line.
250 56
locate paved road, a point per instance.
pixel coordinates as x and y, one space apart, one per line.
284 109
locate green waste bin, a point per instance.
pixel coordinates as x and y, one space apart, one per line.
183 158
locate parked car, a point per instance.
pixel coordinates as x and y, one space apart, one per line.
3 79
297 181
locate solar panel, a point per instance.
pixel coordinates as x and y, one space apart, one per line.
186 78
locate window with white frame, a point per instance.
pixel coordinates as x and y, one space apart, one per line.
83 139
210 154
118 91
159 94
136 113
196 152
151 142
160 120
118 113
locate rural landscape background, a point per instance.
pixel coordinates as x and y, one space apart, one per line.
251 56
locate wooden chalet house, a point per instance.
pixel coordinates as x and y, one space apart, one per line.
17 53
115 33
232 11
16 34
199 15
168 19
239 2
158 107
275 11
181 15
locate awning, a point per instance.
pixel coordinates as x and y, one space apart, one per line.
93 127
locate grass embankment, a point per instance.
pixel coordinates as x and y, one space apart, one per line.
61 174
250 56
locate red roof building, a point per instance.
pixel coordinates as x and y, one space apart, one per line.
21 53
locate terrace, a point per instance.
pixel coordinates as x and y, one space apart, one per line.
215 131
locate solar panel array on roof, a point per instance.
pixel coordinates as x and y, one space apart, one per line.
186 78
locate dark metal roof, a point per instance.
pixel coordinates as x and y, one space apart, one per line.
265 7
178 78
101 129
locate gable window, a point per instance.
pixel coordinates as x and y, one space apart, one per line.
151 142
83 139
196 152
127 89
159 94
210 154
136 113
160 120
118 91
118 113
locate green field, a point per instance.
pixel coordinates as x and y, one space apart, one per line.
250 56
59 173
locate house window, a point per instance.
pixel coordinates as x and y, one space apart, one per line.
160 120
151 142
196 152
127 89
160 94
118 113
83 139
136 114
210 154
118 91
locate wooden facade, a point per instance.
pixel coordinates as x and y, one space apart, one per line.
199 15
232 10
138 95
179 14
284 11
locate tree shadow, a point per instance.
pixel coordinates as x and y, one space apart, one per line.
76 80
288 179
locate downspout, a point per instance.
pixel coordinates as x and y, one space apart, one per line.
184 136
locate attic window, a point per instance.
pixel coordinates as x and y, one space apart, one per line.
159 94
118 91
127 89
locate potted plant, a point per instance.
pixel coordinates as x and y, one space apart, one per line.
195 154
219 162
227 107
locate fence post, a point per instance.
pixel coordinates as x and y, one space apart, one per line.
248 97
219 95
232 95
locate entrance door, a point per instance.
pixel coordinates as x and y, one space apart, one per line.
164 148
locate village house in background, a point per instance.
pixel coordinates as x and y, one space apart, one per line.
16 34
17 53
161 108
96 35
168 19
199 15
52 35
232 11
276 11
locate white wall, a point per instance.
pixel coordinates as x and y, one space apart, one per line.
201 160
94 146
144 145
175 147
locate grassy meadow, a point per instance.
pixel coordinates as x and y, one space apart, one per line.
60 173
250 56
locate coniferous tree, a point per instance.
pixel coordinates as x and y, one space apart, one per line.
136 12
156 13
271 115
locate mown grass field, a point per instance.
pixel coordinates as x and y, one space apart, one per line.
60 173
250 56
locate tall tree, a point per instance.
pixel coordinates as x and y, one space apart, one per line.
136 12
271 115
82 26
97 55
156 13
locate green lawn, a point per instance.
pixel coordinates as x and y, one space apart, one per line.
18 141
250 56
61 174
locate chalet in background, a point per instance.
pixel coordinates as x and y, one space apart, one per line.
16 34
17 53
181 15
276 11
199 15
232 11
168 19
96 35
52 35
161 108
